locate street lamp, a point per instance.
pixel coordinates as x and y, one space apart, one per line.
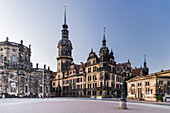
123 97
42 70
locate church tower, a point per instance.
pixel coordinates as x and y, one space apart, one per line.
64 58
145 69
104 51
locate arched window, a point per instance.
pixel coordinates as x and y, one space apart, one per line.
14 58
94 77
89 78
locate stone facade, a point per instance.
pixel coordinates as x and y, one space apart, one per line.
17 76
150 86
100 75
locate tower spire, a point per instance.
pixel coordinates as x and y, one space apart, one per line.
104 39
65 14
145 60
91 49
65 25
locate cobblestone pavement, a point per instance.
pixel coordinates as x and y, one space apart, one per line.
75 105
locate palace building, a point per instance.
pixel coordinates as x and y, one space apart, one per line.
100 75
17 76
150 86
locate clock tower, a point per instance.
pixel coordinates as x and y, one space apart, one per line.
64 58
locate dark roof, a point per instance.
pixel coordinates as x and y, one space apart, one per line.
136 71
120 64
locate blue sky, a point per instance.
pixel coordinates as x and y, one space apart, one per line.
133 28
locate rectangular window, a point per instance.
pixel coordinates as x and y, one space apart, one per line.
139 84
89 92
147 89
95 85
161 89
146 83
168 90
160 82
89 85
132 89
77 80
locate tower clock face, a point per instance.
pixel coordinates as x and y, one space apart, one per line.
63 61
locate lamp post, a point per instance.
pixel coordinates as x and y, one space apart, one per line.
123 97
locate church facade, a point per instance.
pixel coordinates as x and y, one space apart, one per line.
100 75
18 78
